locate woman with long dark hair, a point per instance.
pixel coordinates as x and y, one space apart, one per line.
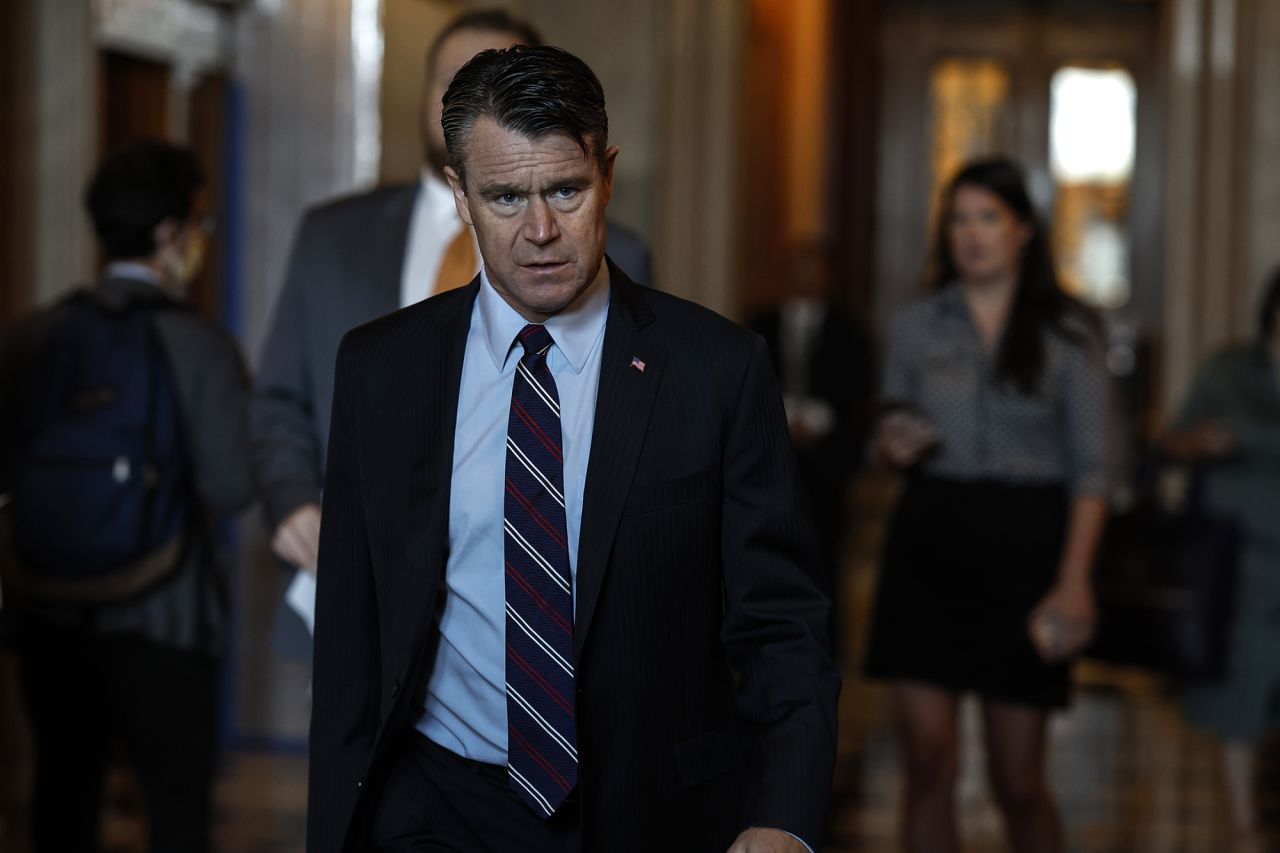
994 406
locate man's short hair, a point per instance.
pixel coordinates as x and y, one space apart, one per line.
533 91
134 191
485 21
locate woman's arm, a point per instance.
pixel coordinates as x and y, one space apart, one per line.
1063 622
1088 517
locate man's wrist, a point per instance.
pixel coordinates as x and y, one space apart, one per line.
282 500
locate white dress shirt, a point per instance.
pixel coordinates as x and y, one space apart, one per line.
432 228
466 699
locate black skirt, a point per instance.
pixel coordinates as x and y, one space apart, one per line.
964 564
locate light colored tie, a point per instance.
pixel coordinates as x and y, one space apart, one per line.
459 264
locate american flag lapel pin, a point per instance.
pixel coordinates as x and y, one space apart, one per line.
637 363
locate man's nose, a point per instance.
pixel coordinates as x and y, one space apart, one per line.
540 223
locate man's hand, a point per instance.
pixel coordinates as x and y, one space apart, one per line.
297 539
760 840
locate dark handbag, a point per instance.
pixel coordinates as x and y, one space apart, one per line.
1166 579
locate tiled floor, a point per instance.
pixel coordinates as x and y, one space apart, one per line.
1128 773
1130 777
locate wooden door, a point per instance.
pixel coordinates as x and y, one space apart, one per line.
1010 51
207 136
137 100
133 101
14 260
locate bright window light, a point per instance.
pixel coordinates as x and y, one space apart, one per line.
1092 125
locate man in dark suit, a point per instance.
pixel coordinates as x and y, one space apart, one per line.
823 361
353 260
567 599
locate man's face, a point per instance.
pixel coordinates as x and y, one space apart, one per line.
538 209
455 52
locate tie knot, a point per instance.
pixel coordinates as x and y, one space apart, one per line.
535 339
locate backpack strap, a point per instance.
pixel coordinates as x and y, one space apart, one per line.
119 586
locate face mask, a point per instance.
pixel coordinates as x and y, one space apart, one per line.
182 265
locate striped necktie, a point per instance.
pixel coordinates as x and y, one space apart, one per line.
542 752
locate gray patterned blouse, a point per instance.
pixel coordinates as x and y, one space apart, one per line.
936 363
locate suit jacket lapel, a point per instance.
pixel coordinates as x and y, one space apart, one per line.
386 253
623 404
431 394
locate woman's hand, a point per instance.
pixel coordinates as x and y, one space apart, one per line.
902 439
1064 621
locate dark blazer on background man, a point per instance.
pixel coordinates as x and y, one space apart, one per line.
344 270
706 696
838 373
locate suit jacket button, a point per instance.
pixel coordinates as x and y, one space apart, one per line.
395 688
360 783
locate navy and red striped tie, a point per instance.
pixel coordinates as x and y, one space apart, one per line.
542 749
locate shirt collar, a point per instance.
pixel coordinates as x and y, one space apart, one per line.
951 299
437 195
132 271
575 330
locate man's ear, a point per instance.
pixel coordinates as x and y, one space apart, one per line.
166 232
610 156
459 194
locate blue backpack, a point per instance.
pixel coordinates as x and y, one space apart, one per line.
100 487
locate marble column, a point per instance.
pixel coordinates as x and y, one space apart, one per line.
1223 178
1262 164
57 137
697 251
308 71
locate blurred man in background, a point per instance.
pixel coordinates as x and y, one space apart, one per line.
822 360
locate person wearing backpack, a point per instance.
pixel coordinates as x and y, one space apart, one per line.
122 435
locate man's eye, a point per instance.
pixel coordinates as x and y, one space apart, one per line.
565 192
508 198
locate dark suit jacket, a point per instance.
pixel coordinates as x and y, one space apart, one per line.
839 369
344 269
706 696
